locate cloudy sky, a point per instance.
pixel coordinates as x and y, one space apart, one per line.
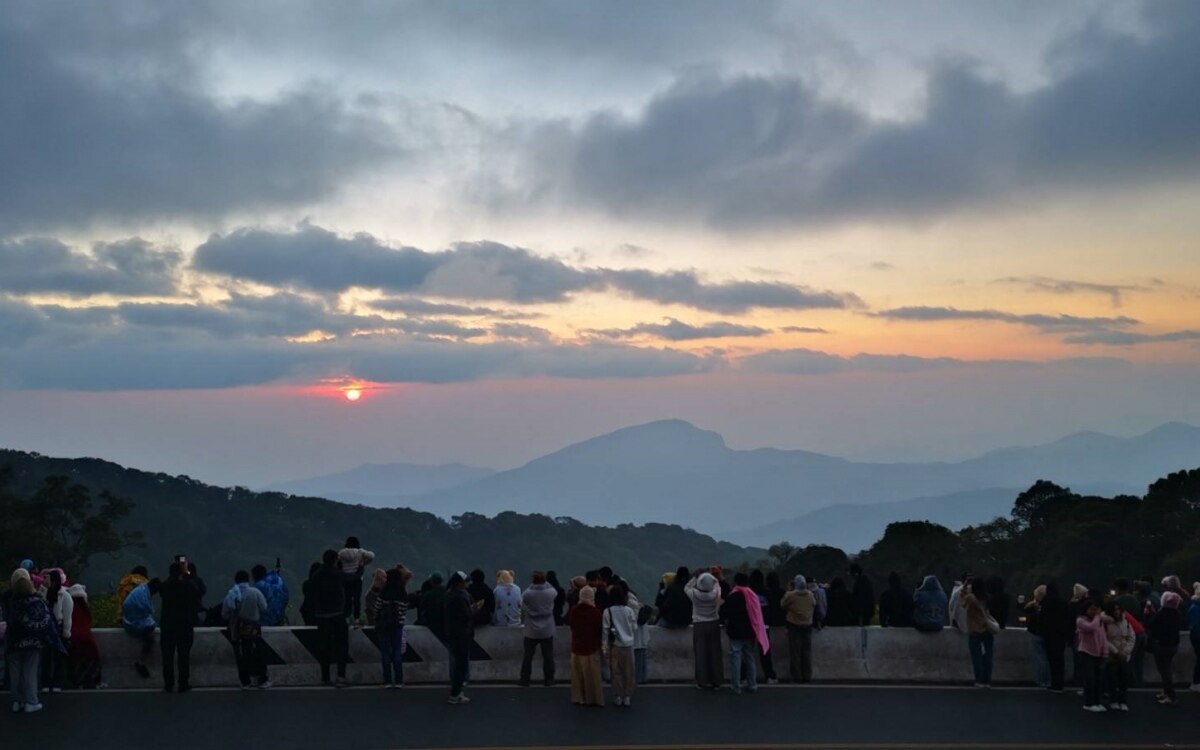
895 231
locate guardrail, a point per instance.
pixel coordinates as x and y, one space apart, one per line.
839 654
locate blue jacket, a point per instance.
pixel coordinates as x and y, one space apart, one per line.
1193 617
138 610
275 591
930 605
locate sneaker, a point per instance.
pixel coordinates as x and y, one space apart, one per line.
773 681
45 690
17 707
33 708
265 685
247 687
978 684
459 699
1123 707
56 690
340 683
1094 709
1114 707
628 702
737 691
1165 701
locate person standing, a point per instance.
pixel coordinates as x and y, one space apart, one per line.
329 588
481 592
459 619
841 610
275 591
538 601
619 626
352 561
1092 644
799 606
863 594
1121 640
1037 644
560 598
85 654
1162 631
674 606
769 610
390 611
1193 619
704 594
1054 621
980 639
180 603
137 617
62 610
743 619
244 607
30 630
586 623
378 581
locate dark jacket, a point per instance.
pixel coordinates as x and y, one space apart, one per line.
1162 629
1055 623
773 613
864 599
841 608
560 602
896 607
737 618
433 608
180 603
480 591
674 607
327 588
455 614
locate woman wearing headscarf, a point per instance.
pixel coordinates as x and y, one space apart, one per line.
1162 631
508 601
799 607
584 620
705 596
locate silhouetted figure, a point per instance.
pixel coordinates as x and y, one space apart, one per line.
864 597
895 604
840 604
180 603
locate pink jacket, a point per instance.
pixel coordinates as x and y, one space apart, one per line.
1092 638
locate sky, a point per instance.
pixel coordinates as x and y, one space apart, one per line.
885 231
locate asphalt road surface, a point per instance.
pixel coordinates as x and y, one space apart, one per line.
661 717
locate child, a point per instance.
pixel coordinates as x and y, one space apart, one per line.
1121 639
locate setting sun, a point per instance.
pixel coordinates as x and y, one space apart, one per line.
353 394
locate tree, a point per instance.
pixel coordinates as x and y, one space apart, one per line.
60 525
915 549
782 552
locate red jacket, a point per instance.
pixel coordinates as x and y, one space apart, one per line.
585 621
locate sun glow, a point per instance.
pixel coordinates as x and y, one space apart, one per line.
353 394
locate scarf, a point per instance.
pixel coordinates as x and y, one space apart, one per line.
754 610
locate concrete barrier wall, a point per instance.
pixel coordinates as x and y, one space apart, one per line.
839 654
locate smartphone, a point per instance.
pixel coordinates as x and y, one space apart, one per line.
182 560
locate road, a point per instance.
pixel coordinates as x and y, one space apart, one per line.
662 717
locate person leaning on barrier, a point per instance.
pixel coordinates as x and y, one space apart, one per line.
244 607
180 603
704 592
137 617
459 618
584 619
328 590
538 606
799 607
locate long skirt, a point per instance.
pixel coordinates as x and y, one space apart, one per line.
586 689
710 661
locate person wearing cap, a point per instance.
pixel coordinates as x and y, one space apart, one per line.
459 622
584 619
538 606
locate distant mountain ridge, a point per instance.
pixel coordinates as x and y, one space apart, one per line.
382 485
672 471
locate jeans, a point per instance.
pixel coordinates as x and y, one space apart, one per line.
176 645
251 665
1162 660
460 655
800 652
982 651
1092 672
54 668
333 638
547 647
639 665
742 657
23 675
390 643
1118 676
1041 663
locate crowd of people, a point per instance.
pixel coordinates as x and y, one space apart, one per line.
49 642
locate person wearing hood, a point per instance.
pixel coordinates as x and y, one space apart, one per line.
459 617
128 583
62 609
30 630
1162 631
275 591
84 657
895 604
538 601
328 592
137 617
560 597
674 605
585 621
1033 627
180 601
619 626
799 610
508 600
930 606
1054 621
378 581
841 611
352 561
1121 640
433 605
481 592
1193 620
244 607
705 595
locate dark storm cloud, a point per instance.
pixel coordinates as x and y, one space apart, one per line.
677 330
1118 112
132 267
1042 322
316 259
106 116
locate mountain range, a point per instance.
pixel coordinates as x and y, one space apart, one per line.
671 471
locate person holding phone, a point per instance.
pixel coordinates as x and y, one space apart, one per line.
180 602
